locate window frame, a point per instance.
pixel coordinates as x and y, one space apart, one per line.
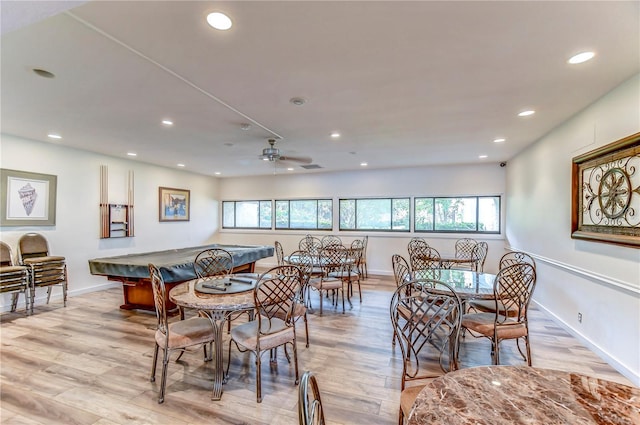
311 229
477 214
235 218
361 229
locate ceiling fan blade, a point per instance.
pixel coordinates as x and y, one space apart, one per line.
301 159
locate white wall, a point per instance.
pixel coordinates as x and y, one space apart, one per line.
76 234
601 281
485 179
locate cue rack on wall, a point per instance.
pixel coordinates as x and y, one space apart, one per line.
116 220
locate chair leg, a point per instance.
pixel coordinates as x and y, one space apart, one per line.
306 328
528 344
49 293
258 381
163 378
27 302
64 287
33 297
209 357
496 353
295 358
14 301
153 365
400 417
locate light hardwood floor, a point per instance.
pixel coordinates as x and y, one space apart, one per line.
89 363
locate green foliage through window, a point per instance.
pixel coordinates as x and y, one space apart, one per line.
246 214
469 214
310 214
375 214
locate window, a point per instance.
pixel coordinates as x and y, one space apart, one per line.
375 214
246 214
471 214
308 214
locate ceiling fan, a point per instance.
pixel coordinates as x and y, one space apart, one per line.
273 154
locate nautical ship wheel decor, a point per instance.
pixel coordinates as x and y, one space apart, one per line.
606 193
614 193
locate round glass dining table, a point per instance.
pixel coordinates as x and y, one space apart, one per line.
466 283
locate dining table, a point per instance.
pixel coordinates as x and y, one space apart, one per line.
449 260
513 395
218 298
467 284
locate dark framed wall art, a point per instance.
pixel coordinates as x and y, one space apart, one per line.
606 193
174 204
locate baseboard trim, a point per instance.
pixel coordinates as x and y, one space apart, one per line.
612 361
56 295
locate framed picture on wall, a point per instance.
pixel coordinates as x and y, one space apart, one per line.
28 199
606 193
174 204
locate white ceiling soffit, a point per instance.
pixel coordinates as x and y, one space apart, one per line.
404 83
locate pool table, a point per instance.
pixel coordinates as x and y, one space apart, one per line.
176 266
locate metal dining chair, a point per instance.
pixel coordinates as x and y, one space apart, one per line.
274 297
310 411
512 289
426 317
175 336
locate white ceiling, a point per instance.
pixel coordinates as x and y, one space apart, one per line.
405 83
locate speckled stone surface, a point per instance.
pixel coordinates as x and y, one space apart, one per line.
497 395
185 295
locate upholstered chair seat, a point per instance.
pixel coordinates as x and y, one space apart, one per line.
13 278
484 323
273 334
185 333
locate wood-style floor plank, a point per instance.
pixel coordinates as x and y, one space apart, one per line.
89 364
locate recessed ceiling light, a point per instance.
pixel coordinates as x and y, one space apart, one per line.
132 154
298 101
245 126
289 169
499 140
43 73
526 113
54 136
217 173
219 21
335 135
167 122
482 156
180 165
581 57
363 164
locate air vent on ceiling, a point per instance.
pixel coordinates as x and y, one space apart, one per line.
311 166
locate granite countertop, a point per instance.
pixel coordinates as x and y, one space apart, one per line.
508 395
